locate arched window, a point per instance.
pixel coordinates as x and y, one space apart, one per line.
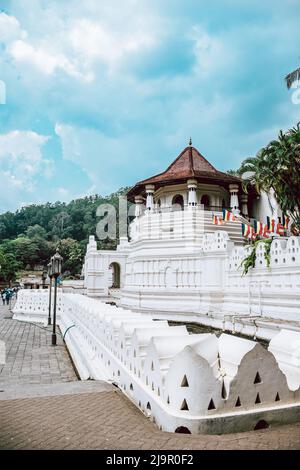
178 203
116 275
205 201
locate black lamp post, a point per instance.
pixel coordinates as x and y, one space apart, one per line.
49 271
44 277
56 262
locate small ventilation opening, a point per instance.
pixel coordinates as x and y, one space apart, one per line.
211 405
257 399
148 406
182 430
238 402
184 405
184 382
262 424
152 366
168 400
131 387
277 398
257 379
224 394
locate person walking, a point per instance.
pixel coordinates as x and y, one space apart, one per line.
3 297
8 296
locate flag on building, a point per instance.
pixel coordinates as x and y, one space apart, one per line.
252 233
218 220
228 216
266 231
246 230
285 222
279 229
258 227
271 224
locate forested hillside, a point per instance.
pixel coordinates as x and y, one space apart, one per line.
29 236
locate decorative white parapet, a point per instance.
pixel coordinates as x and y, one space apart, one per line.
185 382
33 304
286 348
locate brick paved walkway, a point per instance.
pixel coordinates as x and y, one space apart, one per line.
30 358
43 407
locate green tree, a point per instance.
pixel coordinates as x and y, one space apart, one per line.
9 267
36 231
276 168
72 253
26 251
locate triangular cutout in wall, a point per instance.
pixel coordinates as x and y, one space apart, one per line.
184 405
257 379
184 382
211 405
224 394
238 402
277 398
257 399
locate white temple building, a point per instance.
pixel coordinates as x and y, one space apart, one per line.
177 263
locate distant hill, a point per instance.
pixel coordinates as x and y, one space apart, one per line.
29 236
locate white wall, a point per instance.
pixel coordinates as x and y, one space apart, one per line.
100 339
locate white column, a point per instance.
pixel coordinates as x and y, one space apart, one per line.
234 200
92 245
244 201
192 192
138 200
149 193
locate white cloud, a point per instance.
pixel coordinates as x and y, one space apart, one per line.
21 160
45 60
10 28
211 52
63 193
92 40
106 160
78 43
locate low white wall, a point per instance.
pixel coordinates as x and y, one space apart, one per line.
175 378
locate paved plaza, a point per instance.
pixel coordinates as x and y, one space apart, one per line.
44 406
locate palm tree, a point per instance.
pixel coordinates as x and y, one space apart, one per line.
276 168
292 78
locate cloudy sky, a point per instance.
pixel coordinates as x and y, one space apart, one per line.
102 93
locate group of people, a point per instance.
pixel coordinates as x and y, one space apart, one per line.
7 294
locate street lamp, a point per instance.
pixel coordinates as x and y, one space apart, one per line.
56 262
49 271
44 277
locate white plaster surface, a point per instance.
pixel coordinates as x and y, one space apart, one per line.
201 382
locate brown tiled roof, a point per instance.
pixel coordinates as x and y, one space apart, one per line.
189 164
